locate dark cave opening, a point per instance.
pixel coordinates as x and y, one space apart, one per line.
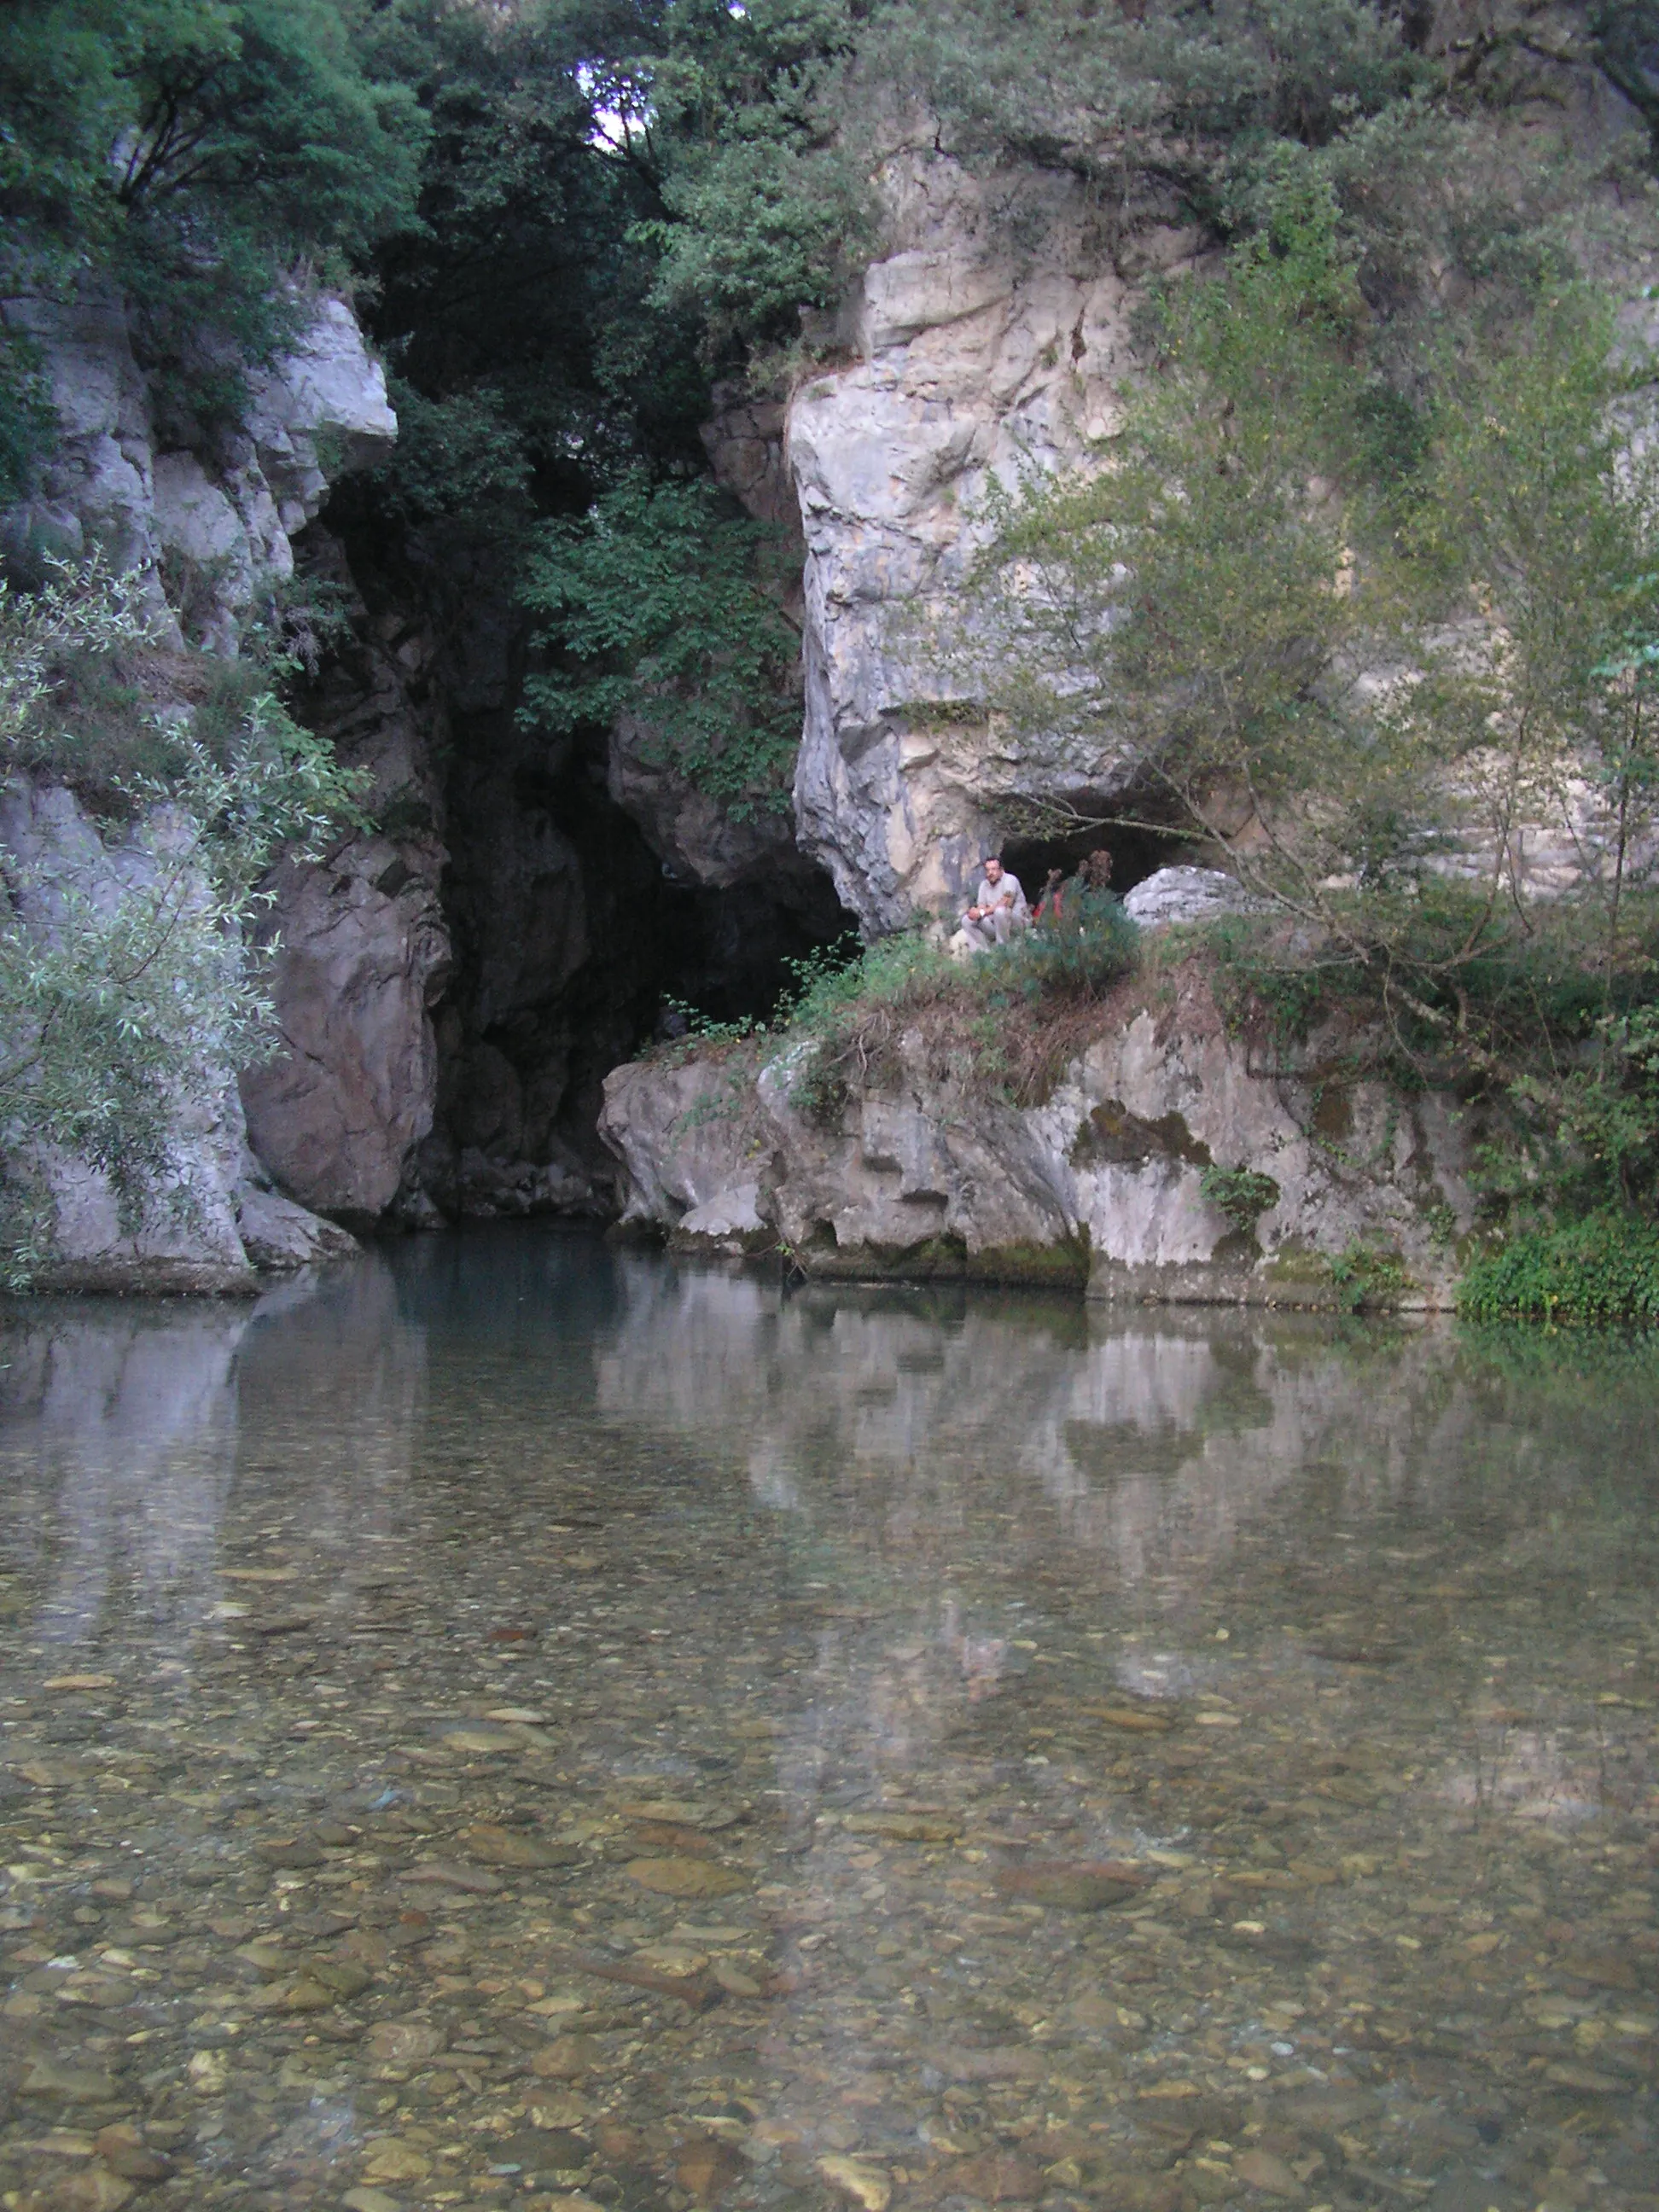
1136 854
575 946
729 950
571 941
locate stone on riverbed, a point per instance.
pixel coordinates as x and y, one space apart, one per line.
679 1877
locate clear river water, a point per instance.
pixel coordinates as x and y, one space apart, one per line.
513 1721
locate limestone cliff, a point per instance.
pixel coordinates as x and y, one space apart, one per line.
963 355
211 526
340 1114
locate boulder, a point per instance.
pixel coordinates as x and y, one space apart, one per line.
277 1236
1180 895
336 1117
693 834
363 944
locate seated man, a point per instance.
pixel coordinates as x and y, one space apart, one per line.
998 909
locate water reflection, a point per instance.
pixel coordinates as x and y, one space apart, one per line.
513 1720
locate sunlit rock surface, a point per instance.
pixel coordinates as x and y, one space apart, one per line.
211 521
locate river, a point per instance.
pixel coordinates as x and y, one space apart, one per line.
514 1721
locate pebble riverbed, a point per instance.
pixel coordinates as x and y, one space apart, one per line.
511 1722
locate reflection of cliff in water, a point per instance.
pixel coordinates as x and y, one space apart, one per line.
119 1440
133 1430
1156 1441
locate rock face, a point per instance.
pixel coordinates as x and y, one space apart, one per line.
1177 894
338 1115
692 834
210 1223
213 523
968 361
209 519
1104 1185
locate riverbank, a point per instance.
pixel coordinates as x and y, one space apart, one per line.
1171 1156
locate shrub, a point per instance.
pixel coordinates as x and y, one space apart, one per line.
1368 1277
1006 1021
663 603
1242 1194
1605 1268
127 984
1085 950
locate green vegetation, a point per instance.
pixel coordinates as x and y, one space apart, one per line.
617 206
1242 1194
212 159
1368 1278
1376 613
1603 1268
128 988
1001 1024
666 598
1368 583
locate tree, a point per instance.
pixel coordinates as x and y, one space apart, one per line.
202 154
1364 647
662 603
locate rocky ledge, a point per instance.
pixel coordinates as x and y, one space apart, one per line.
1116 1183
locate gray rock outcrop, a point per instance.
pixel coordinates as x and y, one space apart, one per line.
214 525
336 1120
1183 895
969 361
338 1114
1105 1184
207 1223
693 834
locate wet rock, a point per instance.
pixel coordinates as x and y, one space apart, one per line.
393 2159
1082 1888
48 2078
405 2042
685 1877
126 2153
93 2190
482 1740
707 2168
566 2058
506 1847
1605 1969
866 2184
999 2178
1262 2170
293 1851
449 1874
1008 2063
901 1827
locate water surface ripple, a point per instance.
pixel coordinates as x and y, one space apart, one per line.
511 1722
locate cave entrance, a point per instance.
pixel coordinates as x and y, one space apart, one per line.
1136 854
728 952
